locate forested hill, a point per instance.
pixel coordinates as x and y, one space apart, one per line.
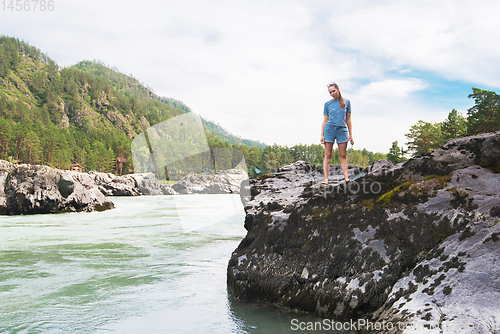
86 114
57 117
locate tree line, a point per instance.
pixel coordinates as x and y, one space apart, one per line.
264 161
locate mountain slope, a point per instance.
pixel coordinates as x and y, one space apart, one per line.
58 116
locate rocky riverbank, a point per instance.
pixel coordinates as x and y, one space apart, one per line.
32 189
413 244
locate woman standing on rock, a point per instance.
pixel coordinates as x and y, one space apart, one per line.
336 126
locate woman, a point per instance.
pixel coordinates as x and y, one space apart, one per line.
336 126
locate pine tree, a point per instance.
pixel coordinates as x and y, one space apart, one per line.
424 137
30 150
484 116
455 126
396 154
5 137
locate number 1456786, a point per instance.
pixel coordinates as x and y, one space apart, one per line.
28 5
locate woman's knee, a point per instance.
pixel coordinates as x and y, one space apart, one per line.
342 155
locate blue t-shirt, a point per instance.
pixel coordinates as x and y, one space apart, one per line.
336 116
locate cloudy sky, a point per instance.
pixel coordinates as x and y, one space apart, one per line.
260 68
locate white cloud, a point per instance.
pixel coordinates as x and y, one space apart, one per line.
452 38
395 88
384 111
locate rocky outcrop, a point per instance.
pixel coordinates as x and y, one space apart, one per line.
413 244
109 184
32 189
221 182
5 168
128 185
149 185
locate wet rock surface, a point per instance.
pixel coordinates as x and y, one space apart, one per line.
414 243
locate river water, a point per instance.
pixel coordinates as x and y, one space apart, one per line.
155 264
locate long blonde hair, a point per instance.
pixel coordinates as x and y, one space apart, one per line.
341 99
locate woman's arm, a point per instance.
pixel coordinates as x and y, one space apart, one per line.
349 126
325 120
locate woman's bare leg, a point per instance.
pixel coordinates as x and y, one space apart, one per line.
326 161
343 159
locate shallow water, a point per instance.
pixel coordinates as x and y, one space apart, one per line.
155 264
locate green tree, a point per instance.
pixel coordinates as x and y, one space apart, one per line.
270 164
484 115
30 150
357 158
91 158
62 151
424 137
396 154
5 137
455 126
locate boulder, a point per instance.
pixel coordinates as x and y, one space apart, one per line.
128 185
413 244
147 184
5 168
29 189
221 182
112 185
32 189
167 189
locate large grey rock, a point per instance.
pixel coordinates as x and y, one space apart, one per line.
414 244
112 185
458 153
167 189
221 182
128 185
5 168
147 184
27 189
32 189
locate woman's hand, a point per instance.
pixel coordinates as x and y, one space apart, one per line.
322 140
351 140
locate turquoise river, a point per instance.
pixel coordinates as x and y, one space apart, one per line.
154 264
